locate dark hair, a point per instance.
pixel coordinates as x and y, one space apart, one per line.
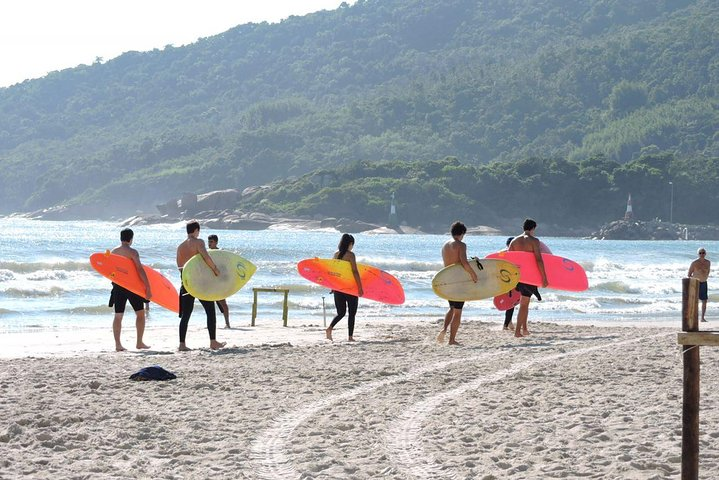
126 235
457 229
529 224
192 226
344 244
212 237
509 240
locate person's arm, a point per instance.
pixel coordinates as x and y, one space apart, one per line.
540 263
465 263
141 272
691 270
206 257
355 272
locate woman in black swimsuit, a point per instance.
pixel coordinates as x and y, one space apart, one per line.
345 301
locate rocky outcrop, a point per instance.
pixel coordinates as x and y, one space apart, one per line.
654 230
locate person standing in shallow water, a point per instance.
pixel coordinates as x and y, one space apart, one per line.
345 302
120 296
699 269
455 251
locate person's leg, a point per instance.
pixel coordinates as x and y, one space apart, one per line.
140 326
447 320
508 318
352 303
222 305
521 328
209 307
187 304
138 305
341 306
454 326
704 310
116 329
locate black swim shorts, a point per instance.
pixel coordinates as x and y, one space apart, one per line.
457 305
120 296
703 291
528 290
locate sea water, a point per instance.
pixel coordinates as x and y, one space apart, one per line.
46 281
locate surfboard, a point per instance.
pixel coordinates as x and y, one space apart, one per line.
337 275
494 277
201 282
123 272
507 300
562 273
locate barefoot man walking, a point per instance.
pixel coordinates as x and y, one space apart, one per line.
455 251
527 243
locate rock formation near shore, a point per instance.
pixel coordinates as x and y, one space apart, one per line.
654 230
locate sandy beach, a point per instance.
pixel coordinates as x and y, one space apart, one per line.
567 402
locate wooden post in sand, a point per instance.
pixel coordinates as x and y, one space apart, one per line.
690 405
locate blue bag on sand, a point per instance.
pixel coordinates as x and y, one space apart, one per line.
155 372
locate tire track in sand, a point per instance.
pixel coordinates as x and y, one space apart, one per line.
404 436
268 451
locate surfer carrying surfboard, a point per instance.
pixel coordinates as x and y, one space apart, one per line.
526 242
185 251
120 295
455 251
346 301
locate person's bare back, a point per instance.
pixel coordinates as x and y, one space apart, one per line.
129 252
452 252
191 247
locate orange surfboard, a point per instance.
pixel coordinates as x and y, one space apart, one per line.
337 274
122 271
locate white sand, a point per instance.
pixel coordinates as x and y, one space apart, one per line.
567 402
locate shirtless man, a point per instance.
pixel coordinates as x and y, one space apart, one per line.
526 242
120 296
221 304
699 269
185 251
455 251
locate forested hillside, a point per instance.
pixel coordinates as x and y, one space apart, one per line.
482 81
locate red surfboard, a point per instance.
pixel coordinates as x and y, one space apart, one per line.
337 275
123 272
507 300
562 273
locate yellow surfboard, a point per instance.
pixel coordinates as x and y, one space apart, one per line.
494 277
201 282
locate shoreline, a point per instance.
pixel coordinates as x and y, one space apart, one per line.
569 401
163 339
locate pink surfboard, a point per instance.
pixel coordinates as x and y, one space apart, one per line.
507 300
337 275
562 273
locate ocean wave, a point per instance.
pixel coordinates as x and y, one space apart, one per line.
94 310
616 286
34 293
31 267
401 265
6 275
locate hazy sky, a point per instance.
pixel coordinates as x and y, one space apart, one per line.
39 36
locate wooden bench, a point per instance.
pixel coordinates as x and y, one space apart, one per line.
285 291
